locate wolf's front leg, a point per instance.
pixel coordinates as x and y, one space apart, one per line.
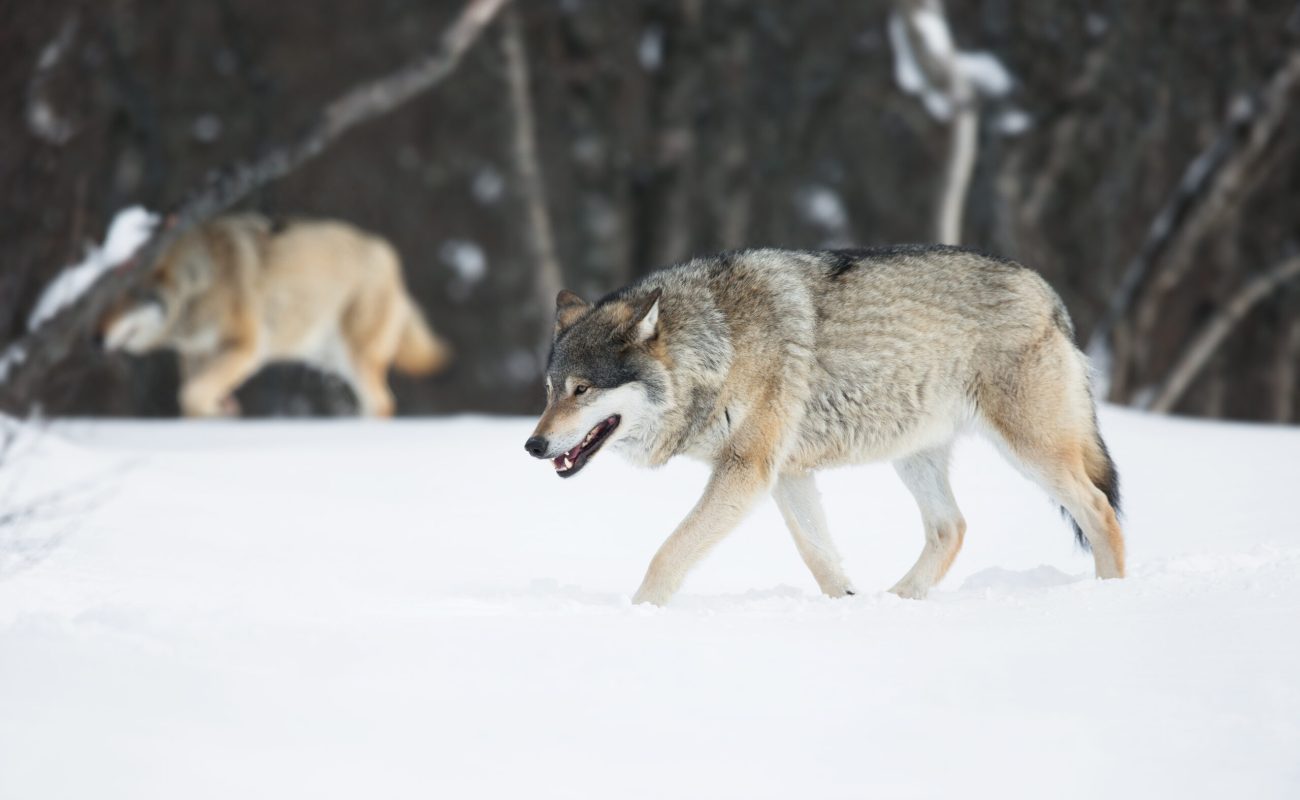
733 490
207 392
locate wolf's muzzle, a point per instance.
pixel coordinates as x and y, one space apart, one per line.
536 447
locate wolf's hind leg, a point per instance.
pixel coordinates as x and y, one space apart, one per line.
796 495
926 476
1061 469
1048 426
372 327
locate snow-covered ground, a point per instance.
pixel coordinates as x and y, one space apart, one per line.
418 609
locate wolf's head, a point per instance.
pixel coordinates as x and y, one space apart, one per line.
143 319
605 378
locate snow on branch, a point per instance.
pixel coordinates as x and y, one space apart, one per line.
928 64
129 229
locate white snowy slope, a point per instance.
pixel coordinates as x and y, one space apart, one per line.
417 609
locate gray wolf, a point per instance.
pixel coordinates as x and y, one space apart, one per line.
235 294
772 364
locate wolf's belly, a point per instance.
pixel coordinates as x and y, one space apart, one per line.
857 427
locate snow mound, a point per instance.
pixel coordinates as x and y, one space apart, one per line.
999 579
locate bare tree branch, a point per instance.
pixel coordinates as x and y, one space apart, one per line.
541 241
1213 181
963 145
1204 344
45 347
1063 147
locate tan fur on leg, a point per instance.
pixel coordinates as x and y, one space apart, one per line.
732 492
1046 423
205 393
926 476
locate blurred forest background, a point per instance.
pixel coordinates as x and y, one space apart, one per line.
1154 140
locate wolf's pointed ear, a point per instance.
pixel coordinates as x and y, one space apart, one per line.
568 308
645 317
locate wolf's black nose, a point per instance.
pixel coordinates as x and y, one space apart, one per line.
536 447
97 339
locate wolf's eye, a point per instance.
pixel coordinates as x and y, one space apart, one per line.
580 389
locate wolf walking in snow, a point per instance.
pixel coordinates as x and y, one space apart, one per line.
773 364
234 295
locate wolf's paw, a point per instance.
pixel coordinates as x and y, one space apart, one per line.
199 404
838 590
909 591
655 596
230 407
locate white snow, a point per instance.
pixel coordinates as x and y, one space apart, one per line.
650 50
466 258
933 28
985 72
907 71
1013 122
488 185
46 123
46 487
10 357
417 609
43 120
1096 24
822 206
128 230
207 128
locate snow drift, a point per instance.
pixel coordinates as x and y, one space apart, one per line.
418 609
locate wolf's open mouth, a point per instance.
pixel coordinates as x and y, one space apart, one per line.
568 464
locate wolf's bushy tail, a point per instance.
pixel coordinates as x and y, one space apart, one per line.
420 351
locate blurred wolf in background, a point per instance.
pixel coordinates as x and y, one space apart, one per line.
234 295
772 364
